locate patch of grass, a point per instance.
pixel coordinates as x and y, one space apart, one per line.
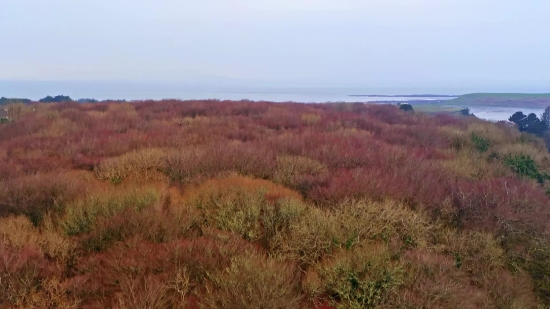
436 109
502 99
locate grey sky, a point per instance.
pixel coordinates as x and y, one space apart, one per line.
406 43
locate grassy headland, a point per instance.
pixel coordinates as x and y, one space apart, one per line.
502 99
209 204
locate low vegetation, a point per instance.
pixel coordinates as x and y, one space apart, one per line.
220 204
502 99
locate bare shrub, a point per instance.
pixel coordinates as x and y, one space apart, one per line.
307 240
253 281
359 278
81 216
138 273
433 281
361 221
36 195
256 209
19 232
295 171
142 165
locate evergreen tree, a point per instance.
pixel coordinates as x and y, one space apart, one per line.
530 123
406 107
545 117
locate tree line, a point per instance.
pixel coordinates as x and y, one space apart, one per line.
53 99
532 123
6 101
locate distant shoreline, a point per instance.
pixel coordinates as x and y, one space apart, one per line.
413 102
516 100
405 96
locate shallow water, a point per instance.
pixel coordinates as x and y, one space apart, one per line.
156 91
495 113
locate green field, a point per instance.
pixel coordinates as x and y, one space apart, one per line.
436 108
502 99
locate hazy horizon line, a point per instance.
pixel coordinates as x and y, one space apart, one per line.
244 86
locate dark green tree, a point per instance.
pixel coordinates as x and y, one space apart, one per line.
4 101
465 111
545 117
86 100
406 107
535 125
56 99
518 118
530 123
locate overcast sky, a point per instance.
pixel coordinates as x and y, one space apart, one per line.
496 44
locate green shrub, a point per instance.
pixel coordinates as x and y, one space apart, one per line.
481 144
539 268
465 111
406 107
525 166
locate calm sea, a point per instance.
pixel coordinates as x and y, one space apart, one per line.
157 91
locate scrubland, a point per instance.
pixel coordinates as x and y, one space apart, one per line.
209 204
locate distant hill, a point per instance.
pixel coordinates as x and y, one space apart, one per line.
503 99
404 95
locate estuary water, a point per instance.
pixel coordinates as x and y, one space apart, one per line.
157 91
169 90
498 113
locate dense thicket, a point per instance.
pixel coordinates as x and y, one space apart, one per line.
209 204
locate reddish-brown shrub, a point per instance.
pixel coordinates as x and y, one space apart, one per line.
491 204
179 269
36 195
383 178
21 272
209 161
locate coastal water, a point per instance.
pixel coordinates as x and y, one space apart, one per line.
154 90
158 91
498 113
